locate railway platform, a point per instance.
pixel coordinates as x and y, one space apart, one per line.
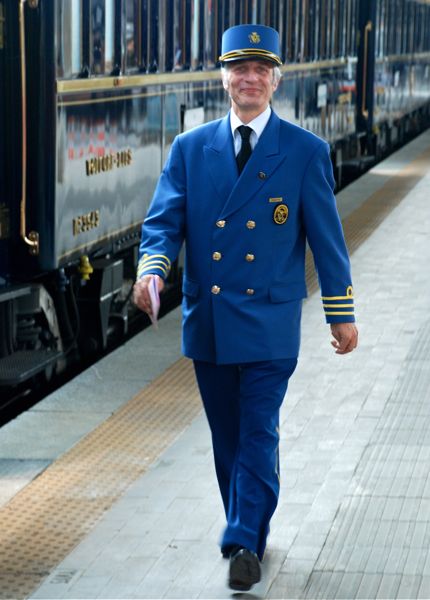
108 486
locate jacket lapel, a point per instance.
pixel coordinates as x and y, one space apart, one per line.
263 161
219 156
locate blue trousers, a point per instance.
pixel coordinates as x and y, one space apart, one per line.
242 405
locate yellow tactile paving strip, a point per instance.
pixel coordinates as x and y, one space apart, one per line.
47 519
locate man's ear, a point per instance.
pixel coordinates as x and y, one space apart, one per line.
225 80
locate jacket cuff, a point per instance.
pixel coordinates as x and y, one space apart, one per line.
339 309
156 264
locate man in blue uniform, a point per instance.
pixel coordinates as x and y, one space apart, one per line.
245 193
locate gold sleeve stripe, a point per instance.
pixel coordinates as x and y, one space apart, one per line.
149 262
149 267
153 265
336 297
338 305
156 261
147 257
340 313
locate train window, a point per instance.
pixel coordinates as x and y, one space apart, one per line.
401 28
197 33
398 32
182 34
272 13
224 21
426 26
323 30
286 32
298 31
381 30
133 29
333 28
109 36
313 28
97 37
353 26
410 33
248 11
69 28
149 59
211 28
101 37
420 28
346 18
166 33
341 29
305 31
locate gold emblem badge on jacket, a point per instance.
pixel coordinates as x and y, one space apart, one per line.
280 214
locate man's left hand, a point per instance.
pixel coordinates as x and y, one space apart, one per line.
346 337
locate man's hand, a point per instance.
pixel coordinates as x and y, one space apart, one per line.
346 337
141 293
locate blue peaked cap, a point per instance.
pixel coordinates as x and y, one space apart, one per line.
250 42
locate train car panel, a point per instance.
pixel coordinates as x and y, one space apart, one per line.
93 93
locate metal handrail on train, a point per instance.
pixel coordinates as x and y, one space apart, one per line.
32 239
367 30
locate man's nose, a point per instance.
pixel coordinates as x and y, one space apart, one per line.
251 75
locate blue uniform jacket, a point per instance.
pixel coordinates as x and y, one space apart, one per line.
244 278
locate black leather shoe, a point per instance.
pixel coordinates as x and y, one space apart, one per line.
244 570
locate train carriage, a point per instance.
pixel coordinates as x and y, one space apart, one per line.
93 93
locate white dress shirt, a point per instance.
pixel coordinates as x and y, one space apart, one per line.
257 125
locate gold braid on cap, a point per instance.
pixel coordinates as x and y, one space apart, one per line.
248 52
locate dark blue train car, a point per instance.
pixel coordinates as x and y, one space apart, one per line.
92 94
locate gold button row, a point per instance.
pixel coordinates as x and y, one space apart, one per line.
216 290
221 224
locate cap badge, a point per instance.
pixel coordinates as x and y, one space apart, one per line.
280 214
254 38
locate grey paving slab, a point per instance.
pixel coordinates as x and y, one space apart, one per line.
424 590
353 519
389 586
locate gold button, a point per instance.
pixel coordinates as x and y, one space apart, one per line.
250 224
217 255
250 292
220 224
262 175
250 257
215 289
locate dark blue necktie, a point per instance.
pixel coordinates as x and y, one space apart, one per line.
245 149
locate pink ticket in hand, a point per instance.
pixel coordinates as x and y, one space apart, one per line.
154 296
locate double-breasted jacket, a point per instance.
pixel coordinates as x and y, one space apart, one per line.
245 239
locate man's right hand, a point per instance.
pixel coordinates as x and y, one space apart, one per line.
141 294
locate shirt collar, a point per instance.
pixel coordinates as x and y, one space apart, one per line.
257 125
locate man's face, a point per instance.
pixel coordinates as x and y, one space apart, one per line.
250 84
